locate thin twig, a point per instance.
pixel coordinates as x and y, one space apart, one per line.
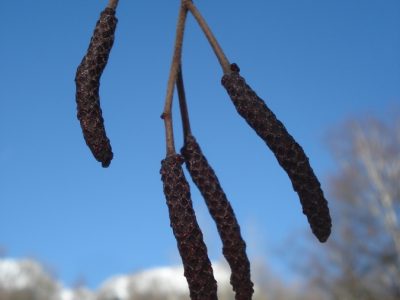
183 104
113 4
167 115
223 60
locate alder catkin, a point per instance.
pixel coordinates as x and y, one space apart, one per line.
88 83
288 152
234 247
193 251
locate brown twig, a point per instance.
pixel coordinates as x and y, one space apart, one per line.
223 60
182 104
112 4
167 115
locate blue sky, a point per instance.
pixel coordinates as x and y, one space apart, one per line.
315 63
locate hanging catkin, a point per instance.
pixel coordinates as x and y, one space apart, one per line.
193 251
88 83
288 152
234 248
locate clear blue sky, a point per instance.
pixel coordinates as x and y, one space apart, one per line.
315 63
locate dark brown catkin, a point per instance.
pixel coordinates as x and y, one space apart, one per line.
193 251
288 152
88 83
234 247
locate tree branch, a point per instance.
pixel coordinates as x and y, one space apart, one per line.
167 115
385 198
183 104
113 4
223 60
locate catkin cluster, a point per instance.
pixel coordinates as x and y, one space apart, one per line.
288 152
193 251
87 81
197 267
234 247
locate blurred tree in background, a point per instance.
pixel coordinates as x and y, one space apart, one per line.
362 258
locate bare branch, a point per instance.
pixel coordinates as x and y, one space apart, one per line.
223 60
167 115
113 4
385 198
183 104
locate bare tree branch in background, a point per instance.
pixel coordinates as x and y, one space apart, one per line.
362 260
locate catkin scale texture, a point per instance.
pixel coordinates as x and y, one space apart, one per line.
87 81
234 247
193 251
288 152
